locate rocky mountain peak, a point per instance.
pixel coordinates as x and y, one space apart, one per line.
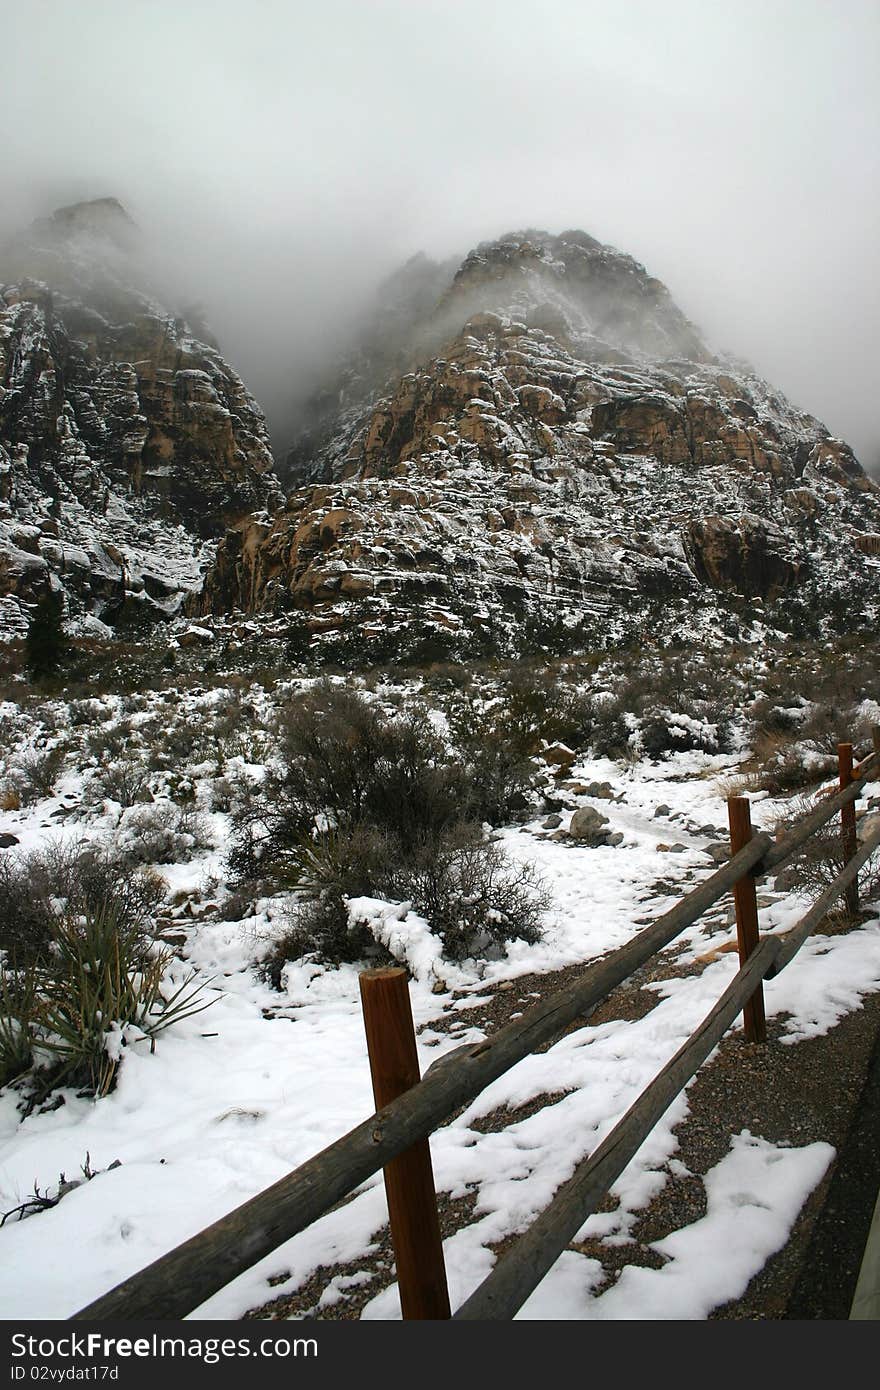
104 218
552 454
127 442
573 284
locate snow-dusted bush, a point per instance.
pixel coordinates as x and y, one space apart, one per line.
668 731
344 764
34 773
160 833
126 781
77 877
471 895
327 872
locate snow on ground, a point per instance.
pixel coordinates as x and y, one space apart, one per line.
234 1098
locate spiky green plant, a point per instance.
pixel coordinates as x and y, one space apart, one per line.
18 1010
104 984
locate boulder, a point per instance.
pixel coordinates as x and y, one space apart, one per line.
589 826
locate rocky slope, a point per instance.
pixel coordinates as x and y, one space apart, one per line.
557 455
126 441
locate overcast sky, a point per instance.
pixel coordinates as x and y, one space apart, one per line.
284 154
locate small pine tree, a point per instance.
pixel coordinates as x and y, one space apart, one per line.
45 646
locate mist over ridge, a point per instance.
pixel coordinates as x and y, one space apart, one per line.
280 167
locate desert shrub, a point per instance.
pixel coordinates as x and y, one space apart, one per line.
76 878
108 742
327 872
346 764
666 732
161 833
611 730
785 764
551 709
235 791
35 773
182 745
473 897
124 780
660 703
497 777
370 804
533 706
822 858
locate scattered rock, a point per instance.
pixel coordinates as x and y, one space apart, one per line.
195 637
552 822
661 811
7 840
603 791
785 881
589 826
558 755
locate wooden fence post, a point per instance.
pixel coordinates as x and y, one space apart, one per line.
848 824
409 1179
746 904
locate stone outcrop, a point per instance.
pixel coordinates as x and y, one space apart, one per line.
744 554
560 461
126 442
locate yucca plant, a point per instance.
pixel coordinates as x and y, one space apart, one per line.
105 986
18 1012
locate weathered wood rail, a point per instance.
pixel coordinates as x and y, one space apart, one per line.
181 1280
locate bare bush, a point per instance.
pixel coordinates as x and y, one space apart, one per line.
823 857
474 898
78 877
161 833
35 773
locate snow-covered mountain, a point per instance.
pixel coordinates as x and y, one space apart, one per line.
127 443
533 447
552 446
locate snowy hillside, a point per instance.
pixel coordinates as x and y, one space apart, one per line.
231 1099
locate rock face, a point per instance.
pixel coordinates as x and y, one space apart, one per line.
556 452
126 442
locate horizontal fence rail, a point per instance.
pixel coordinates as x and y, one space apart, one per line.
524 1265
181 1280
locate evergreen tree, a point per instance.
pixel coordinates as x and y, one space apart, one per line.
45 646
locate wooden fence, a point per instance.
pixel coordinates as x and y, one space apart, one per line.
409 1109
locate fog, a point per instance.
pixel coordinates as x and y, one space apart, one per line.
280 158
